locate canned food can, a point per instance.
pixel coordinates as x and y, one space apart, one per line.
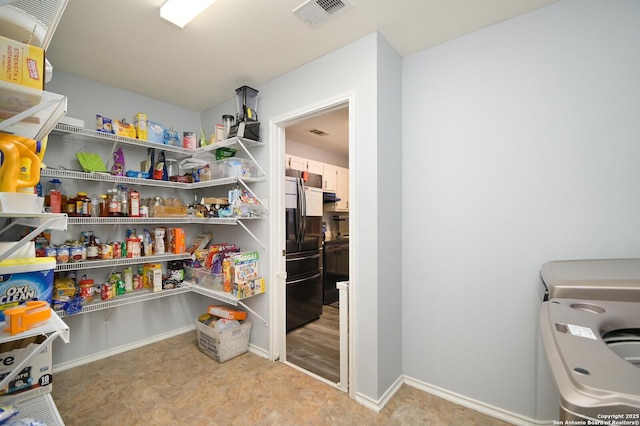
117 250
106 251
50 251
84 236
106 291
62 254
75 253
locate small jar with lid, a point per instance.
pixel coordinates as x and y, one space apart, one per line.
83 205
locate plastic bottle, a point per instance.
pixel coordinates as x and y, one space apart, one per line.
55 196
95 205
123 201
104 206
112 199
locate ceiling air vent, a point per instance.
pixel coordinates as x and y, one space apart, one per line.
318 132
315 12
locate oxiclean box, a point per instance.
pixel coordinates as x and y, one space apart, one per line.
25 279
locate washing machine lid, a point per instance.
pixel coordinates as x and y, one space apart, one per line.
592 379
593 279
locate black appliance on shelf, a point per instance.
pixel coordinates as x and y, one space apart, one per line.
303 252
247 124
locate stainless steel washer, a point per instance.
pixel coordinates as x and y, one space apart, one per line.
590 330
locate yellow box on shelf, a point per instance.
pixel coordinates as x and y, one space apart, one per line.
22 64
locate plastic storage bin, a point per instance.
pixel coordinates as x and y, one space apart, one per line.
223 345
233 167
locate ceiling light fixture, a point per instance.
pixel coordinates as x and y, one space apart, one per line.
181 12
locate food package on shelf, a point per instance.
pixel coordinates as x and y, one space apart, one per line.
167 207
23 64
155 132
223 311
104 124
200 242
248 289
124 129
141 126
152 276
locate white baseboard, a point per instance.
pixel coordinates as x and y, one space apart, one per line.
120 349
378 405
481 407
259 351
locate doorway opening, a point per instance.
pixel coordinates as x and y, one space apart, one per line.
319 344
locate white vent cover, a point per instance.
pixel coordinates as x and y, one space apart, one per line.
314 12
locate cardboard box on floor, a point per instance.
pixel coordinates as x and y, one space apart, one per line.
35 378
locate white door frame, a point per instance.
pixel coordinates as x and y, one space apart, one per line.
277 264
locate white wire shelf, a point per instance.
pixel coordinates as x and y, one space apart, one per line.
155 220
136 296
139 296
107 177
41 408
29 112
87 135
119 261
53 325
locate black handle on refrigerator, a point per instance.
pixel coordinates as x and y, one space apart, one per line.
303 213
299 210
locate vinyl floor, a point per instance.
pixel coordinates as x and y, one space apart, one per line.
172 383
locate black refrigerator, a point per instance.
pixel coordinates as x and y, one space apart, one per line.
303 256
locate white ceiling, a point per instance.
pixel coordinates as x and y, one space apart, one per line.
126 44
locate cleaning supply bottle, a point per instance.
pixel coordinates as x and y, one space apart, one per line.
27 165
19 167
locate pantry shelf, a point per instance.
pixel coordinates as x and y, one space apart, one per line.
53 328
107 177
29 112
226 298
128 299
92 264
154 220
38 221
42 408
87 135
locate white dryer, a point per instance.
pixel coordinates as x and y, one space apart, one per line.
590 331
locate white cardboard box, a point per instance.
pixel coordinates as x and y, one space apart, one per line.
36 377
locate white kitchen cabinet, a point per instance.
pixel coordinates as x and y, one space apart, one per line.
342 192
329 178
315 167
295 163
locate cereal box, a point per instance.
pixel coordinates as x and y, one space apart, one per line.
244 266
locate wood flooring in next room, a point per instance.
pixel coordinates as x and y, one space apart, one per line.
172 383
316 346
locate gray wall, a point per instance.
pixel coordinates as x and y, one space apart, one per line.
520 145
353 67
